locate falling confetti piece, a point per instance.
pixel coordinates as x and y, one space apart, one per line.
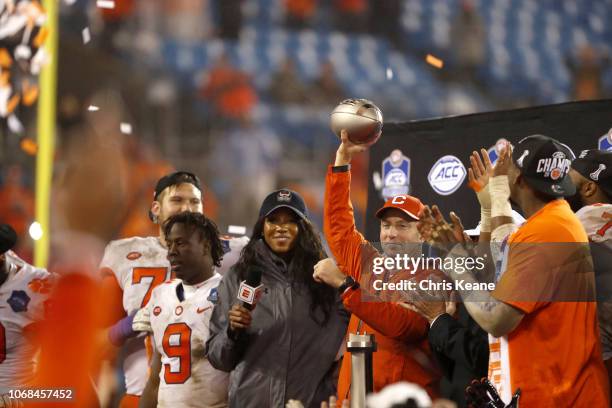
125 128
236 229
434 61
389 74
86 35
70 2
29 146
105 4
35 231
93 108
14 124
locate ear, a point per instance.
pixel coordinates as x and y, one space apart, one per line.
517 180
588 189
155 210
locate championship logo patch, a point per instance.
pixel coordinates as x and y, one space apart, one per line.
213 296
395 175
19 301
554 167
446 175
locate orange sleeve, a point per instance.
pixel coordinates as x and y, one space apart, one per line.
112 296
345 242
388 318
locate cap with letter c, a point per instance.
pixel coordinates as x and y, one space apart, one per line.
408 204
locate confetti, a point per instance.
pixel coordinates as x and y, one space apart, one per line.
14 124
93 108
236 229
35 231
389 74
29 146
125 128
86 35
434 61
105 4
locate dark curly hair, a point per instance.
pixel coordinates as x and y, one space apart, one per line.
205 227
308 250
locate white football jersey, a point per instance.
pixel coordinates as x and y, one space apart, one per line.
180 331
22 302
139 265
597 222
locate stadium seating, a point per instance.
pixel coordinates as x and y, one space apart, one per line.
528 43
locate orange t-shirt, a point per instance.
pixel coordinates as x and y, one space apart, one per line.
554 354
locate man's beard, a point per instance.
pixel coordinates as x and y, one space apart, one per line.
575 201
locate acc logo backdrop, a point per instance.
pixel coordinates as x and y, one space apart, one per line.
605 142
395 175
446 175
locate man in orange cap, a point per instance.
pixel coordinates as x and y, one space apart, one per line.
403 352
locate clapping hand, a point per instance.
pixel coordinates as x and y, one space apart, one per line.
480 171
437 232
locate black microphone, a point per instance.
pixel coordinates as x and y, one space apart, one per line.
250 289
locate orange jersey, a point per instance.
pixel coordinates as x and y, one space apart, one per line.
554 354
403 352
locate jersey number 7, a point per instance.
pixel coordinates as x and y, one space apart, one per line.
158 276
177 343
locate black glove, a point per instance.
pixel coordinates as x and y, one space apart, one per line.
482 394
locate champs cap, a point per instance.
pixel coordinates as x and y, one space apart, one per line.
8 238
409 205
284 198
172 179
545 163
596 165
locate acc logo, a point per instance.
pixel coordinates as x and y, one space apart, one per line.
395 175
605 142
19 301
132 256
495 150
156 310
446 175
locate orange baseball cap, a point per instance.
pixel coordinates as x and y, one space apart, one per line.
410 205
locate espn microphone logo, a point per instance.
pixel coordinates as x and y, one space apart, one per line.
249 294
